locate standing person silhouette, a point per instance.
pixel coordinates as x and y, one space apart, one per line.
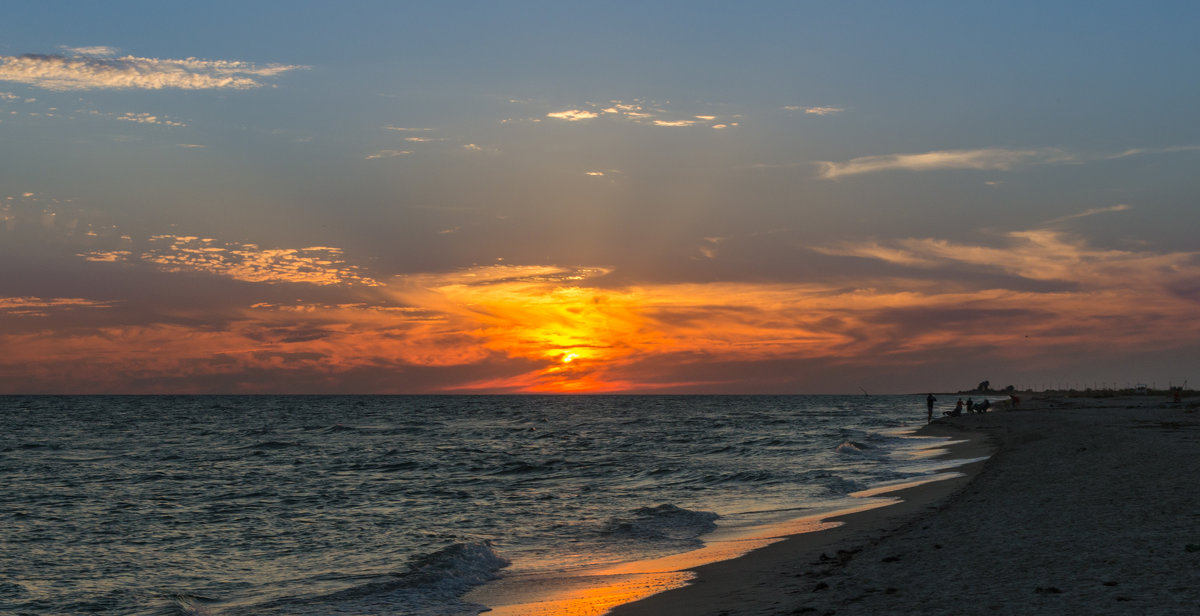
929 400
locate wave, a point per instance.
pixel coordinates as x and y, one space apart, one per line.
191 605
852 447
460 564
662 523
431 584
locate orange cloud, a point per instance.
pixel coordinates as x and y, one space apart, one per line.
1049 297
316 265
301 347
40 307
1037 254
590 338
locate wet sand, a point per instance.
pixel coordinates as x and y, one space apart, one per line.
1087 507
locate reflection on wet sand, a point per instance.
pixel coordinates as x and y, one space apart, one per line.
595 590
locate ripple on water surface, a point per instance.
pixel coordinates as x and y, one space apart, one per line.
357 505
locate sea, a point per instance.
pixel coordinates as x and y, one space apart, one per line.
316 505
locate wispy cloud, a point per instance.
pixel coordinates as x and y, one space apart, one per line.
987 159
94 68
709 247
983 159
649 113
107 256
489 150
1148 151
676 123
1120 207
97 50
1042 254
573 115
315 265
387 154
820 111
147 118
41 307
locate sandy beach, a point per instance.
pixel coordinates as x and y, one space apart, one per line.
1088 506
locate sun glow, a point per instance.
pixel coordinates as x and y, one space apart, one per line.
576 331
593 339
550 329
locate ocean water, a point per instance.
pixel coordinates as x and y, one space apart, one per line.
229 505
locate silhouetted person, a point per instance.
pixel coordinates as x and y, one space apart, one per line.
929 400
970 405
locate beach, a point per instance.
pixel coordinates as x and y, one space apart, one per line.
1086 506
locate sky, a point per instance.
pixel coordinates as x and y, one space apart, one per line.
549 197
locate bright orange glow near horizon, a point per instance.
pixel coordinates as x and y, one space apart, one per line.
551 329
578 334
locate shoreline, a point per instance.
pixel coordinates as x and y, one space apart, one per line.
750 583
671 584
1088 506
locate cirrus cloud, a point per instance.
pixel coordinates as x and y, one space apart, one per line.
96 71
1043 254
984 159
39 307
387 154
639 111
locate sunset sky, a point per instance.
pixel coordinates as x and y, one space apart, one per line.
650 197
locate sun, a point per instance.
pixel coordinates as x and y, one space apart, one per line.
569 357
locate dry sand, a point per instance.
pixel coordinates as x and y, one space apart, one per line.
1087 507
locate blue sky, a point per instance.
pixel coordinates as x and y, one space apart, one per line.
773 197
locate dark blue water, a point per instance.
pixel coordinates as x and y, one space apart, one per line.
397 505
